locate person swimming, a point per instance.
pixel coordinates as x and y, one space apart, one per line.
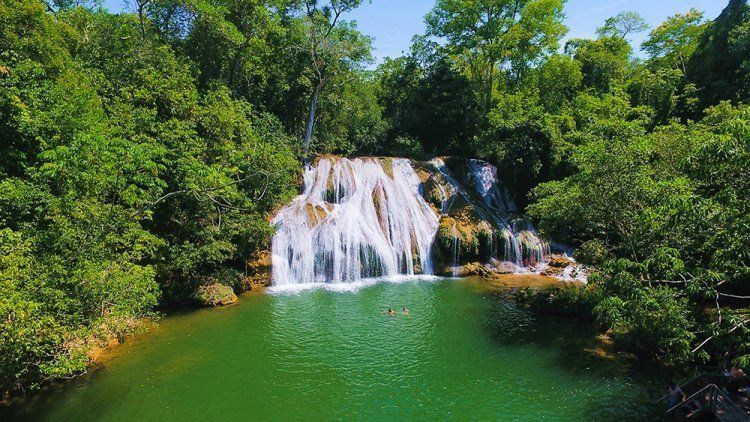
390 312
405 310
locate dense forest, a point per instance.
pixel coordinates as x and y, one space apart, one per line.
141 154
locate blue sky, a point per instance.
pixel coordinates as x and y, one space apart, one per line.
392 23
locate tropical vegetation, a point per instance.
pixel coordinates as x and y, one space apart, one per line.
142 152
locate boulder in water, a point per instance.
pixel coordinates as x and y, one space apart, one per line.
215 295
560 261
561 266
502 267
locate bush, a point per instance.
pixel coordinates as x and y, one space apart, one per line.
569 301
593 253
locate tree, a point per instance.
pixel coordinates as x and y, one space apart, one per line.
55 6
437 106
739 45
559 80
675 40
603 61
622 25
715 68
498 35
334 47
124 183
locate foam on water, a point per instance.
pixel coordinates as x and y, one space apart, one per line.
291 288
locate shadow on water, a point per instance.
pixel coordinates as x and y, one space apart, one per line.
580 350
25 405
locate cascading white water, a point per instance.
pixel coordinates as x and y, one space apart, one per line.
354 221
367 217
489 187
522 245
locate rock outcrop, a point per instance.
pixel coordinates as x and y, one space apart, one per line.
259 269
215 295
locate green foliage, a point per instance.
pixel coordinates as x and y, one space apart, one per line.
521 151
603 61
571 301
498 35
560 79
593 252
715 68
645 320
673 42
739 45
436 106
622 25
124 182
140 155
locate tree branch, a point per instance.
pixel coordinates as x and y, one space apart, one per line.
703 343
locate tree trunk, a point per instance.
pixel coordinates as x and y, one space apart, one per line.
311 116
490 88
141 6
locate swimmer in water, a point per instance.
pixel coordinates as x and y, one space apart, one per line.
405 310
390 312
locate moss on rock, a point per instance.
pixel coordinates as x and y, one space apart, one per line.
215 295
467 232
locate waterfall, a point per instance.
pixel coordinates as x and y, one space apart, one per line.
367 217
456 252
355 219
489 186
522 245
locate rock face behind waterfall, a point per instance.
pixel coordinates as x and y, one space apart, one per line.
479 221
373 217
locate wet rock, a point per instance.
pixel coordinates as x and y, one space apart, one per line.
258 271
468 270
560 261
561 266
464 237
501 267
553 271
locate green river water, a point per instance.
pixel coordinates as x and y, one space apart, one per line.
461 353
